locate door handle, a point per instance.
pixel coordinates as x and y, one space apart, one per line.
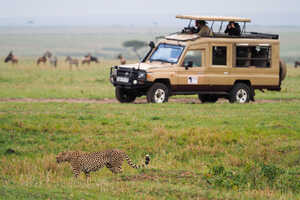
226 73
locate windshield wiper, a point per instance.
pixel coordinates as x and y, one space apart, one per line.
161 60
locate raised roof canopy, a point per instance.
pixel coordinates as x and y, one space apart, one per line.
213 18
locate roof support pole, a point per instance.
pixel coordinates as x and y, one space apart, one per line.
211 27
244 28
190 23
221 26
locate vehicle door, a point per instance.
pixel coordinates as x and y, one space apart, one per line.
190 73
220 67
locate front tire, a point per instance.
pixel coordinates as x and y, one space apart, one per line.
124 95
158 93
241 93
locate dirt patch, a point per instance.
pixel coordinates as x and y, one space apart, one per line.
29 100
138 101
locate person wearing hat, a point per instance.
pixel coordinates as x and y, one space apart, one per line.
202 29
233 29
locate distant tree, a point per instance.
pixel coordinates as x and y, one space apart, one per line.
135 45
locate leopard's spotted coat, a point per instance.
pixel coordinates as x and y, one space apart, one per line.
87 162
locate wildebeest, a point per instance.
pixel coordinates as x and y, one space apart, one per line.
297 63
11 57
72 61
48 54
53 61
94 59
42 59
88 59
122 59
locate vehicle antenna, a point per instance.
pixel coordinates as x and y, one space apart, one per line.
139 64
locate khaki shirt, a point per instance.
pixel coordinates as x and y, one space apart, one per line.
205 31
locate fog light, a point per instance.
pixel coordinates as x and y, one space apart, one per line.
135 82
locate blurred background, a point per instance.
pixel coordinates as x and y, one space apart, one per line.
73 27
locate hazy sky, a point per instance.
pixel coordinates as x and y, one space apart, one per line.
271 12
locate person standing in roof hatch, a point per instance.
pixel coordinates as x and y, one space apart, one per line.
202 29
233 29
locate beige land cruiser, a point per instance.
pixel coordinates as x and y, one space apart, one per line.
214 66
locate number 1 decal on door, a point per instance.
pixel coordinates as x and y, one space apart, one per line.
193 80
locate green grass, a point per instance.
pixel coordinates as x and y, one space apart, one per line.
198 151
245 151
30 81
26 80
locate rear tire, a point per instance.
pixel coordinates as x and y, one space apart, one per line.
240 93
158 93
208 98
124 95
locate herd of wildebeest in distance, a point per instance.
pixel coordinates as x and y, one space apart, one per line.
87 59
53 60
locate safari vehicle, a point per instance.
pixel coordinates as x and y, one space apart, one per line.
213 67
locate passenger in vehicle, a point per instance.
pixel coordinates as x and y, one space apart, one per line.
233 29
260 58
202 29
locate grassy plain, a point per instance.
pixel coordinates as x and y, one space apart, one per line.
198 151
26 80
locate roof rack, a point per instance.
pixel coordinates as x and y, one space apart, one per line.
213 18
244 33
263 35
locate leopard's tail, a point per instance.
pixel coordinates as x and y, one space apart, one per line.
129 161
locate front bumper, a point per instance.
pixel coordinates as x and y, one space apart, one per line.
129 78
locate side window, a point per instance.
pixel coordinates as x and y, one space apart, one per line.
219 55
257 56
194 56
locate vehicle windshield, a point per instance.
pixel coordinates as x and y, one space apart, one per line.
167 53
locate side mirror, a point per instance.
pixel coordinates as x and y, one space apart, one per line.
152 45
188 64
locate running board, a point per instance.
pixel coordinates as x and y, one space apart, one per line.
200 92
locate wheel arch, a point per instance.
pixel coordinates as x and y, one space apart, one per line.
247 82
165 81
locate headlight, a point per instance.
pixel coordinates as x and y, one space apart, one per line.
142 75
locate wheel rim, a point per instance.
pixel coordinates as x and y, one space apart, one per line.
159 96
241 96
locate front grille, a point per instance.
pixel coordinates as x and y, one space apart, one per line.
123 73
118 77
126 73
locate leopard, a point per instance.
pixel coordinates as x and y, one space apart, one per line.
93 161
